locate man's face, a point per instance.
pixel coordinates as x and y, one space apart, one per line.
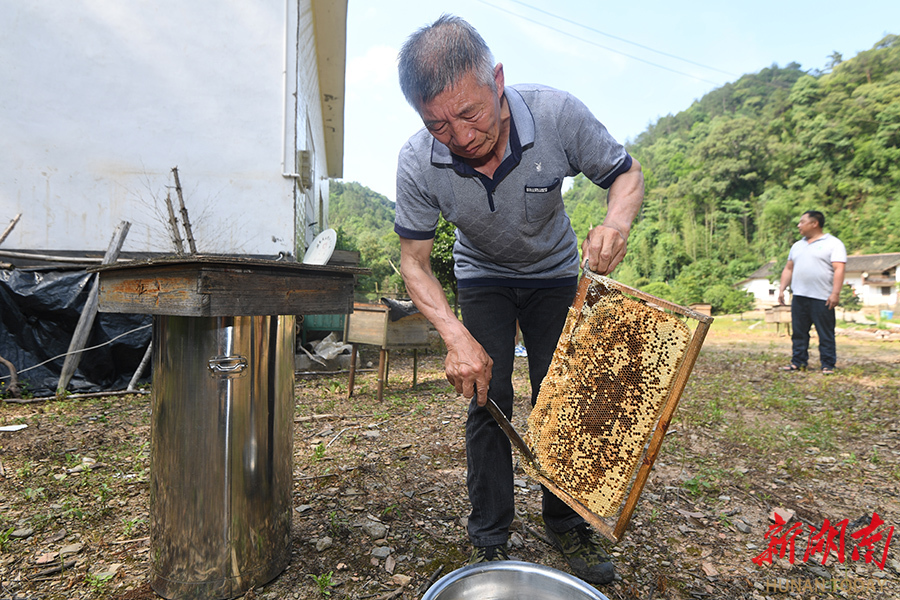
467 116
807 226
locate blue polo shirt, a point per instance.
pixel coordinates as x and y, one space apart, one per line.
511 230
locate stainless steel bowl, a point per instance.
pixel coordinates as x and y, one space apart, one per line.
510 580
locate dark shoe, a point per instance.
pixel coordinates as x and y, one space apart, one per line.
584 554
792 367
488 554
827 371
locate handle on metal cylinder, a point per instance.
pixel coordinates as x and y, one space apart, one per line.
231 366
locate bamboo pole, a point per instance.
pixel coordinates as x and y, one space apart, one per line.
173 222
9 227
140 370
79 260
13 387
184 213
89 313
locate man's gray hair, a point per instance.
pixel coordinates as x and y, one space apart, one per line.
437 56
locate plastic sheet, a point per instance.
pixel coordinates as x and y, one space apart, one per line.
399 308
39 310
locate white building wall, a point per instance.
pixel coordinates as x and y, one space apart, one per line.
761 290
873 295
101 98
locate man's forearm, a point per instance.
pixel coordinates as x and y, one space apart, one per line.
785 281
625 197
427 294
838 281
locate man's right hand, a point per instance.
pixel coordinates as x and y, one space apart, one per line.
468 368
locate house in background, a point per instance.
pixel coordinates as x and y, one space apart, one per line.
102 100
764 291
874 278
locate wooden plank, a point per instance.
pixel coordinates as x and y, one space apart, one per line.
367 325
152 294
408 332
261 292
89 313
204 288
344 258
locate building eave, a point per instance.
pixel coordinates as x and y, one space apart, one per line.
330 22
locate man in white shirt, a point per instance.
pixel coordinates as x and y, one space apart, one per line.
815 272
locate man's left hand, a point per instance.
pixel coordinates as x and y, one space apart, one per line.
603 249
832 301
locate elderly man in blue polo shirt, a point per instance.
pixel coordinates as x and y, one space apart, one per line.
492 158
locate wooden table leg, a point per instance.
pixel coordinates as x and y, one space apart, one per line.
382 371
353 349
415 364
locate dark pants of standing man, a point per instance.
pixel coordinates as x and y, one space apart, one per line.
490 314
804 313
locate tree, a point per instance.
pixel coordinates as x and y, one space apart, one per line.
442 259
834 59
848 298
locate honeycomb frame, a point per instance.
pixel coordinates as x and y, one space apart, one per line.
602 412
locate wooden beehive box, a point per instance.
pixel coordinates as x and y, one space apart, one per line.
371 324
215 286
703 309
778 314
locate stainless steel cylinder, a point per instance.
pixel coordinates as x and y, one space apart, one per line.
220 456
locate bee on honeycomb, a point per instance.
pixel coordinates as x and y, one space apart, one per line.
612 371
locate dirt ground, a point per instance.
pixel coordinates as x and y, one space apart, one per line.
379 488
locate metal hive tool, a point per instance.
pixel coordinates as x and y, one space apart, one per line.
618 371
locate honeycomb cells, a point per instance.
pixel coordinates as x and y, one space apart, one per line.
612 371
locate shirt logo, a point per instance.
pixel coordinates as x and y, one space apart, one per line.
538 167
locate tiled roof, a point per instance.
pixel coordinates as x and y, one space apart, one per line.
874 263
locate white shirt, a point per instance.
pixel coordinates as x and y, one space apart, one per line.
813 274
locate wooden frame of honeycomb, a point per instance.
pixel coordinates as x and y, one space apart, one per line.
618 372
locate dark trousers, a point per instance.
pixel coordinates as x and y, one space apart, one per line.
490 314
806 312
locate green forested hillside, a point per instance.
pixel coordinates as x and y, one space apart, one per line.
727 179
364 221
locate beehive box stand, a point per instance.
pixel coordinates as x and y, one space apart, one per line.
371 324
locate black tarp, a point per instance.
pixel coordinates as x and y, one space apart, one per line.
399 308
39 310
